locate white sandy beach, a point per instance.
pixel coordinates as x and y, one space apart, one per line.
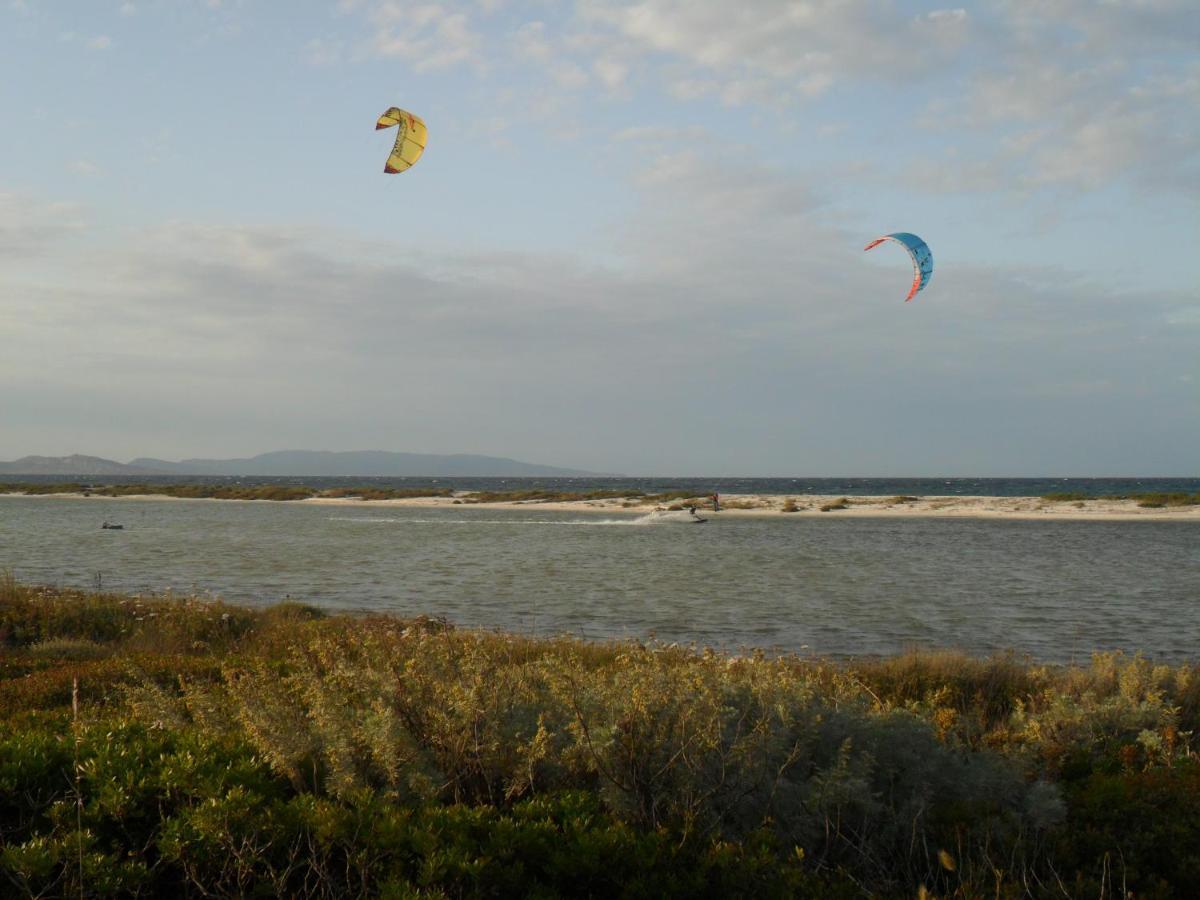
772 505
736 505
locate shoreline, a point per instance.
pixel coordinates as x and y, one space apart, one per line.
751 506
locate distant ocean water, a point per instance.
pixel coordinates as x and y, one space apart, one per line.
988 487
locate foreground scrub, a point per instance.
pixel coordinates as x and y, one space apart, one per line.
281 751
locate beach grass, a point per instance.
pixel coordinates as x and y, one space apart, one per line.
353 752
841 503
1147 500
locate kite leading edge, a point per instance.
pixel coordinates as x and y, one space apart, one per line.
922 258
410 139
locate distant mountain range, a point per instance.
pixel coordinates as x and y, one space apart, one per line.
294 462
71 465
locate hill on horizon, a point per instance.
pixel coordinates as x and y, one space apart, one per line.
367 463
75 464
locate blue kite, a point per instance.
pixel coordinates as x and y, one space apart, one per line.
922 258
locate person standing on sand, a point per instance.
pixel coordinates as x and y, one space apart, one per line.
716 502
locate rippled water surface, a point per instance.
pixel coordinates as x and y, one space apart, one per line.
1055 590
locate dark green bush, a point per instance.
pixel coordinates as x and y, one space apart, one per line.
1135 832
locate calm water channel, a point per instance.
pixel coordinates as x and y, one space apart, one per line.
1054 590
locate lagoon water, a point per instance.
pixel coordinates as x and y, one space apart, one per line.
1053 590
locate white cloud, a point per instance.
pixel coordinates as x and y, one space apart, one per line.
661 134
1074 94
1081 127
951 16
611 72
802 48
29 227
532 44
773 50
428 36
1061 93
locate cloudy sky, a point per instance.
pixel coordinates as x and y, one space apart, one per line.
634 243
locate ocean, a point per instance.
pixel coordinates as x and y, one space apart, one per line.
1051 590
988 487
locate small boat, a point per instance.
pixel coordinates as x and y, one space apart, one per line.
111 527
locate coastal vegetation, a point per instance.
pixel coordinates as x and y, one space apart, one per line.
842 503
1147 500
167 744
631 497
224 491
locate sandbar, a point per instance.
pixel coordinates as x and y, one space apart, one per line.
795 506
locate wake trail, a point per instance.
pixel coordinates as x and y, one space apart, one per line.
577 523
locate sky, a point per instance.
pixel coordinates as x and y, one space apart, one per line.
634 243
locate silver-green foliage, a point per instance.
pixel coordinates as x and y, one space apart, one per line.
709 744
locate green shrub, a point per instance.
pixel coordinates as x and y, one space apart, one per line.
1135 832
133 810
287 751
1157 501
666 738
30 615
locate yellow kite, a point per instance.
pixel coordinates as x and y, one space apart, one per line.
410 141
